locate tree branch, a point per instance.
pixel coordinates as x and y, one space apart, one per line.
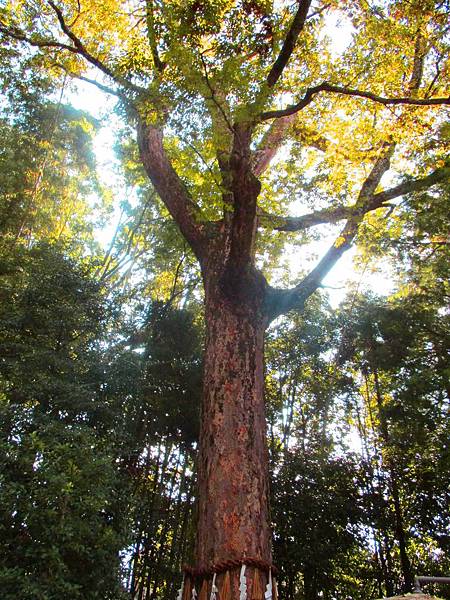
413 185
214 96
245 188
339 213
170 188
336 89
276 135
80 48
282 301
159 65
289 42
82 51
418 63
16 34
318 217
104 88
77 48
271 143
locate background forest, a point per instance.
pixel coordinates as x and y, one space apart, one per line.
100 380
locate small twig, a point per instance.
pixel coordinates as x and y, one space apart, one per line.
319 11
199 154
213 95
173 293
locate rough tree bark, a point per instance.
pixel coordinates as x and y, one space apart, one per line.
233 458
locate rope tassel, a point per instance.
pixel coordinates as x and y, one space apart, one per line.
275 590
257 592
187 589
203 595
225 593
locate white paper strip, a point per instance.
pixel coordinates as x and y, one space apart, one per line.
242 584
268 594
214 590
194 594
180 591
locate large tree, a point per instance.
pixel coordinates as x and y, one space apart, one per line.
218 92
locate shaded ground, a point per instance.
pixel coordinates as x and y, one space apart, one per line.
413 597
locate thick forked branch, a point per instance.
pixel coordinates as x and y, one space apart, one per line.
337 89
289 42
339 213
275 135
245 189
170 188
282 301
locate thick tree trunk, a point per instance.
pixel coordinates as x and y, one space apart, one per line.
233 521
233 513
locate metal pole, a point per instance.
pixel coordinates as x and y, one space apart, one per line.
425 579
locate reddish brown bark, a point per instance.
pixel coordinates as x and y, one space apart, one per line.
233 458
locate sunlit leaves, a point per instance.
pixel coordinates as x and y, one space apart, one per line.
48 178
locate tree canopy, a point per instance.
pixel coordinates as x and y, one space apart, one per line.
359 127
247 131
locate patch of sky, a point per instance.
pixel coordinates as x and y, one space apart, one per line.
86 97
338 31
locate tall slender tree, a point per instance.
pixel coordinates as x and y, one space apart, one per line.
215 91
